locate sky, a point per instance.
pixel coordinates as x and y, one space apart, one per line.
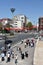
33 9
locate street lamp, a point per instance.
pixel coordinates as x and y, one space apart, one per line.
12 10
37 27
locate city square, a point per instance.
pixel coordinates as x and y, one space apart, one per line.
21 32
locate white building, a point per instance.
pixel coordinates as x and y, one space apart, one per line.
18 25
18 21
21 18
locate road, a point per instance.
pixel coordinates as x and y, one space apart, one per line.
21 36
18 37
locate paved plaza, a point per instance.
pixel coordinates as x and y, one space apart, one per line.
25 61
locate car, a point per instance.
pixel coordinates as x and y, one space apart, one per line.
8 41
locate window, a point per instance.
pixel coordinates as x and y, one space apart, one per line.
15 26
15 22
22 18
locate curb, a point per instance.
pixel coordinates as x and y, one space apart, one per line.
34 60
10 36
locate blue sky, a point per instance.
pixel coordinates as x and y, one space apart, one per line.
33 9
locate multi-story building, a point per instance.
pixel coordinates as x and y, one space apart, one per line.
41 23
18 22
21 18
6 20
18 26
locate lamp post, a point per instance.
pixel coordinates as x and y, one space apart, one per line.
37 27
12 10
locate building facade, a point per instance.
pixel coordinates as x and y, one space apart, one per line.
40 23
18 25
18 22
6 20
21 18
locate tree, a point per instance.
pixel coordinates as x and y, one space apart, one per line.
29 25
1 26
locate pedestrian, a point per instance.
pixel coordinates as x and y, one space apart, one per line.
20 49
2 56
29 44
32 40
17 48
9 46
26 54
4 51
12 54
8 57
22 56
22 42
16 58
9 52
25 44
32 44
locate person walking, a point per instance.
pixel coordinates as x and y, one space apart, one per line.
8 57
12 54
29 43
2 56
26 54
22 56
16 58
25 44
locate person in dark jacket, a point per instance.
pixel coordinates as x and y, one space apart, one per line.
26 54
22 56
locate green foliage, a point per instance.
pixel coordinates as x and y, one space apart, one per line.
34 28
29 24
1 26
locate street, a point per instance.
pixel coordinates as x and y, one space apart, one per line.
18 37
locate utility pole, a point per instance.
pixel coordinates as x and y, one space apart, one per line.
12 11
